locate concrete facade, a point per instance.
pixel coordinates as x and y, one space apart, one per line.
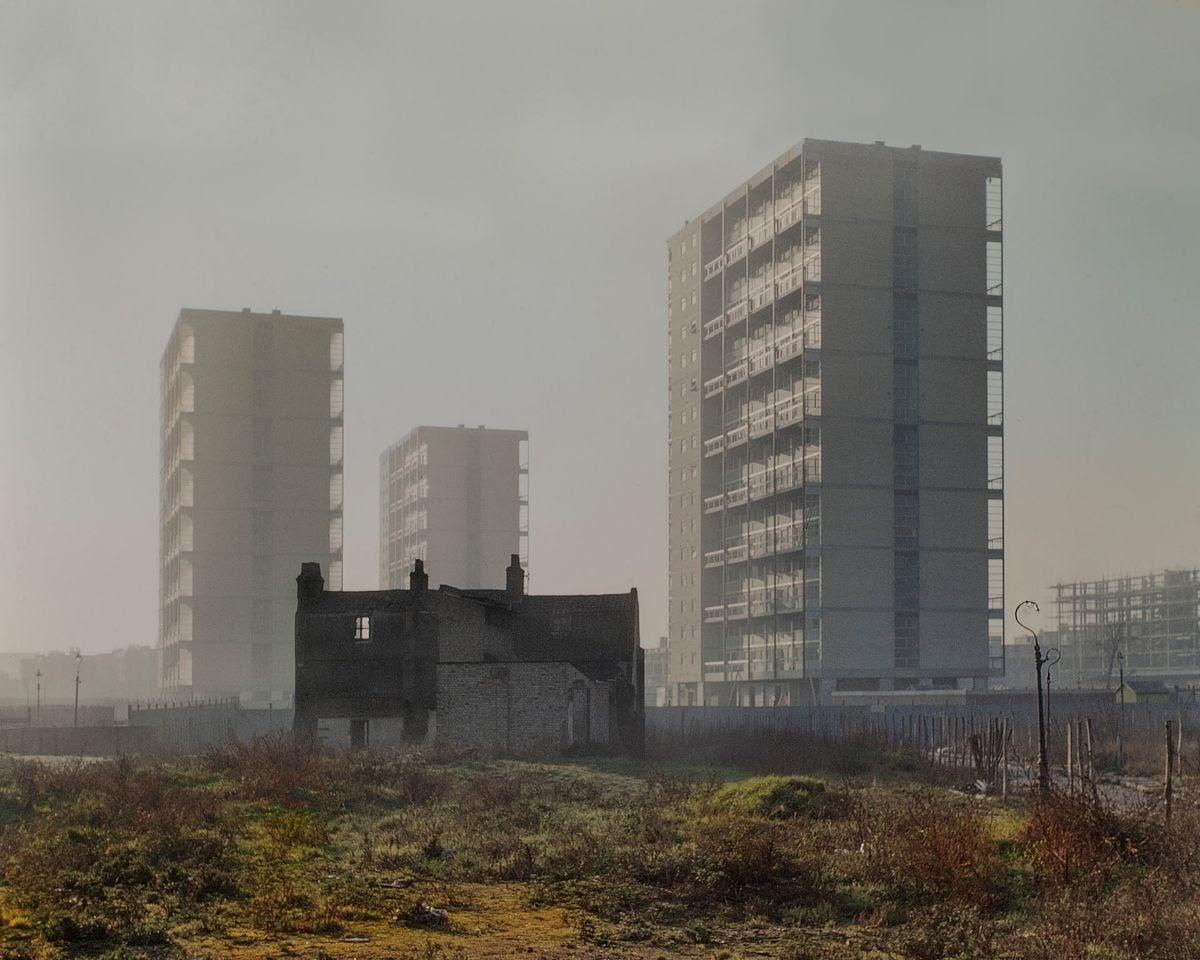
499 671
836 429
251 485
456 498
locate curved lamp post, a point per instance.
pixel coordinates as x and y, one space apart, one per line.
1040 661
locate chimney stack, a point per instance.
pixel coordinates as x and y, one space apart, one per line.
515 579
310 584
418 580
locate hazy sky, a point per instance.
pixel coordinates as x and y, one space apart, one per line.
483 192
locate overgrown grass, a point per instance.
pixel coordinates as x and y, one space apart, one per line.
283 841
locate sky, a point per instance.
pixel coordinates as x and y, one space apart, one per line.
483 191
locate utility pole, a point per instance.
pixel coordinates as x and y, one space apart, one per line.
78 661
1039 662
1121 718
38 677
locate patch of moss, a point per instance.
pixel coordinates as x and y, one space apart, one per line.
773 797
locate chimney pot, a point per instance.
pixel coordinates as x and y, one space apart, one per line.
515 578
310 584
418 580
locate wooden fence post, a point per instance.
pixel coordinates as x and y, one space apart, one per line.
1169 768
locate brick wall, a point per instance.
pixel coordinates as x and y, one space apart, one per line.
519 709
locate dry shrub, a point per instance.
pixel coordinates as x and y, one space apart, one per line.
929 847
1074 839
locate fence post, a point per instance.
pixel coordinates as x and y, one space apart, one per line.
1169 767
1004 759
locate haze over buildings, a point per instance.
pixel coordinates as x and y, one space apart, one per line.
458 499
251 487
836 429
482 190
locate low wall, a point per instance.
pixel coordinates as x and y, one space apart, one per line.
107 741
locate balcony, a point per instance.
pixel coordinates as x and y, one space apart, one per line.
736 375
762 296
788 411
736 553
762 603
714 614
759 544
713 267
761 360
737 251
737 313
812 331
713 504
762 423
789 216
790 346
788 598
787 477
735 498
714 446
788 280
812 264
761 232
737 609
761 485
736 437
714 558
714 327
714 386
788 537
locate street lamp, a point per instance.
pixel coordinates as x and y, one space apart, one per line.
78 661
1039 662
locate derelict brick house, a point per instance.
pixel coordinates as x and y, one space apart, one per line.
497 670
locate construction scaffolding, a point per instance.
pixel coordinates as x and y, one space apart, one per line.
1147 626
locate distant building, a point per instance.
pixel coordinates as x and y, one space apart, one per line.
251 486
1147 625
132 673
656 673
836 472
497 670
1143 691
456 498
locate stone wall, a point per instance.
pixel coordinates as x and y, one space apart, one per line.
516 709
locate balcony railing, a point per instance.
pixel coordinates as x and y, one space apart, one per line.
736 553
761 360
737 312
736 437
714 386
812 264
713 558
713 327
812 331
761 233
714 446
789 216
736 375
714 614
788 476
737 251
762 423
735 610
713 504
761 485
713 267
789 280
789 410
759 544
735 498
789 346
762 603
762 296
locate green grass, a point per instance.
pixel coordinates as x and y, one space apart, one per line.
270 850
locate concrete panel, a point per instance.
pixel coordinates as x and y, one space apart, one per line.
856 319
857 517
858 452
953 391
953 455
856 577
954 643
953 520
857 643
953 579
857 252
953 325
856 386
952 260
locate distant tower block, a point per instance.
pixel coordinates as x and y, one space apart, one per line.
251 486
458 499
